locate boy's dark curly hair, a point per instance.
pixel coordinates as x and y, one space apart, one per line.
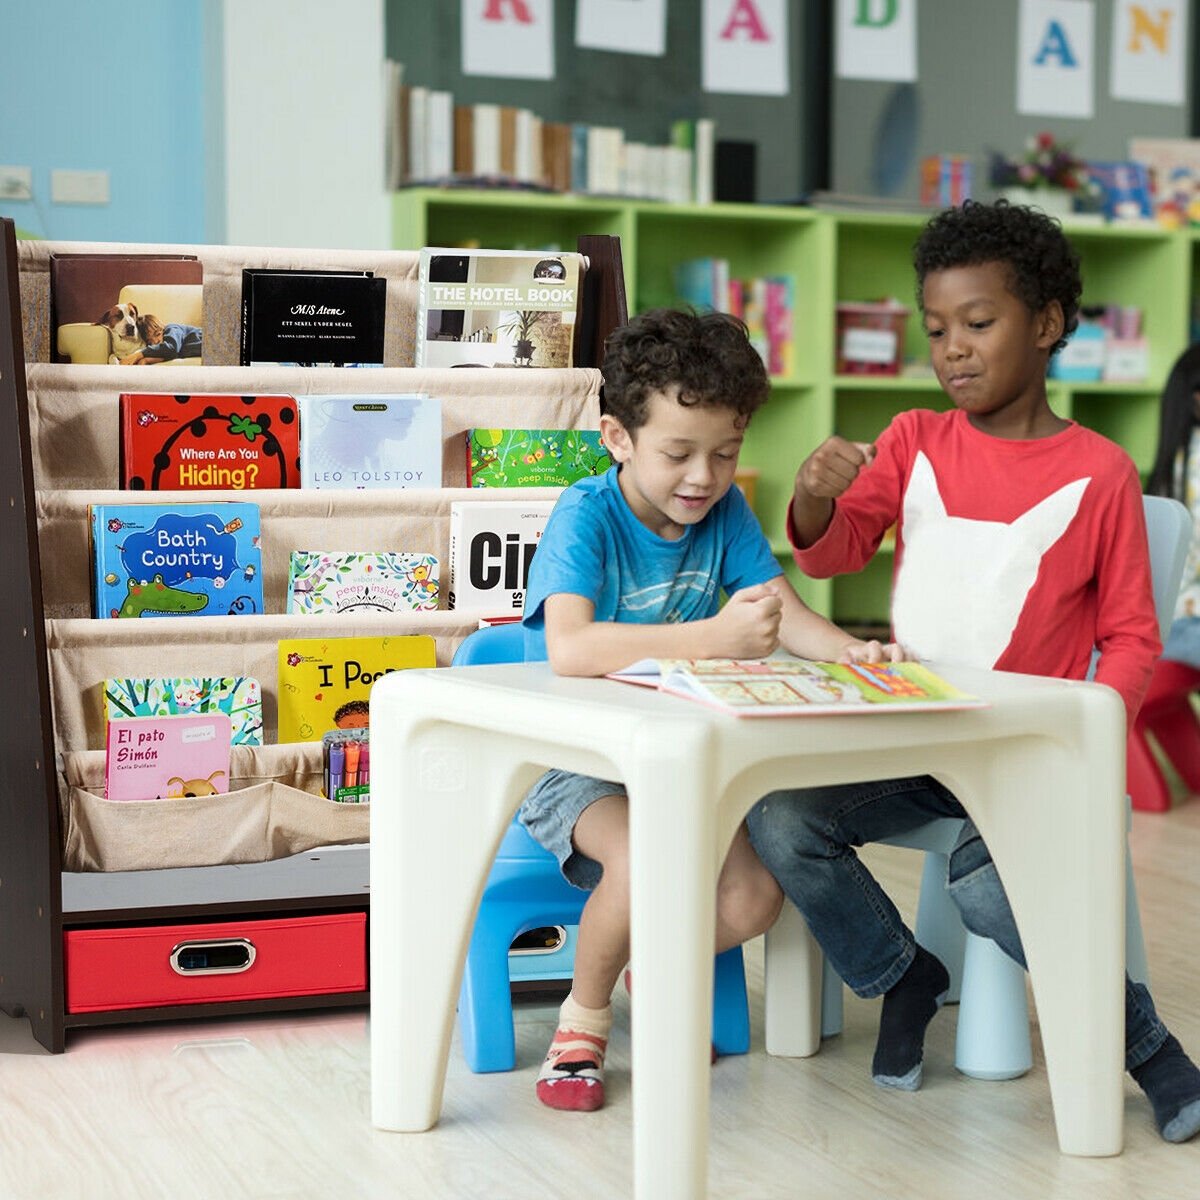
707 355
1042 265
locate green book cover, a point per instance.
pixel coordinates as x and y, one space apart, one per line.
533 457
239 698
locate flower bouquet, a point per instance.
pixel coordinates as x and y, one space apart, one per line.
1048 175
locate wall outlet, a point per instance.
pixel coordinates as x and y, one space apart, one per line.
16 183
79 187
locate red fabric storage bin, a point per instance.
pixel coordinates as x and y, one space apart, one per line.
214 962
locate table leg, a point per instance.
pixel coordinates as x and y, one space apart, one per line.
1060 850
435 826
673 873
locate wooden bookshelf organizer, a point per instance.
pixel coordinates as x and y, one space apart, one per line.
834 256
67 856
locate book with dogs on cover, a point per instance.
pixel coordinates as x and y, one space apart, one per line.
791 687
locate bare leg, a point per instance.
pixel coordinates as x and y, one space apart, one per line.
748 898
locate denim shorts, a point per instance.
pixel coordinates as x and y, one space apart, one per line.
550 811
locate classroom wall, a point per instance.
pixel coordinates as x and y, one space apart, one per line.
965 102
78 92
641 95
301 106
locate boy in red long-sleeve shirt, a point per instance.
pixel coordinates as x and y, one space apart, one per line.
1021 546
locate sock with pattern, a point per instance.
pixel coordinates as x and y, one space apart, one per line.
1172 1082
908 1007
572 1077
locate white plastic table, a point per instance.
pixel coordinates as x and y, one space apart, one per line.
1040 771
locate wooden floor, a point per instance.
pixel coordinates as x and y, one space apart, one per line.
278 1107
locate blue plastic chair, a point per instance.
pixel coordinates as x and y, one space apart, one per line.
525 890
992 1040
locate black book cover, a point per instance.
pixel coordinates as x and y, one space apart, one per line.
312 318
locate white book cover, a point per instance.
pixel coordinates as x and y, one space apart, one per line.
492 543
418 133
485 133
371 441
497 308
705 152
439 158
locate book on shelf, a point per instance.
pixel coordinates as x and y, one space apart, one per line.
504 458
302 318
497 308
783 686
126 309
492 543
1173 165
238 697
385 440
175 560
174 442
167 758
325 683
361 581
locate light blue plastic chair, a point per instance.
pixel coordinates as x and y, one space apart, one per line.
992 1041
525 890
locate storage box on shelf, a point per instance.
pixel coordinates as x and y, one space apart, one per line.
66 864
836 257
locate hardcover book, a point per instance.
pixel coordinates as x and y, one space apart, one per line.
166 758
497 308
312 318
365 441
193 442
533 457
794 687
361 581
238 697
325 683
491 546
164 560
127 309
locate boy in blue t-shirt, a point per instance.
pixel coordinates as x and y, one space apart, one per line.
631 565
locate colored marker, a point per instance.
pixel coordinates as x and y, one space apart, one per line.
364 772
337 761
352 749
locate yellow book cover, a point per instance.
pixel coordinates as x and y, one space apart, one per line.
325 683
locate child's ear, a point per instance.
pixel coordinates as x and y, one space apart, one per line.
616 437
1051 323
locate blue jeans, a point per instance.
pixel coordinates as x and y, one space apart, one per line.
806 838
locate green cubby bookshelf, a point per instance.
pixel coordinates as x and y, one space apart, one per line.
835 257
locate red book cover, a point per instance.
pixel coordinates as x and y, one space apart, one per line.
202 442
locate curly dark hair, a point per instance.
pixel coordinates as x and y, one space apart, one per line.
1042 265
707 355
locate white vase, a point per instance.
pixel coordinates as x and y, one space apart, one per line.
1055 202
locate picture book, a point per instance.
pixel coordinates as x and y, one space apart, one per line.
127 309
238 697
166 758
491 546
497 308
176 560
1126 188
325 683
371 441
794 687
533 457
192 442
361 581
312 318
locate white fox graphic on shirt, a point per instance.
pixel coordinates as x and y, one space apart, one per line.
963 583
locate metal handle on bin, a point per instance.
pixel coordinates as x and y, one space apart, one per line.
216 956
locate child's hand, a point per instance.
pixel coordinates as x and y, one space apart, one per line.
748 625
833 466
873 652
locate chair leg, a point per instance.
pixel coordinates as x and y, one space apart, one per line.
939 926
1143 775
833 996
993 1014
1136 966
792 987
485 1016
731 1008
1177 731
